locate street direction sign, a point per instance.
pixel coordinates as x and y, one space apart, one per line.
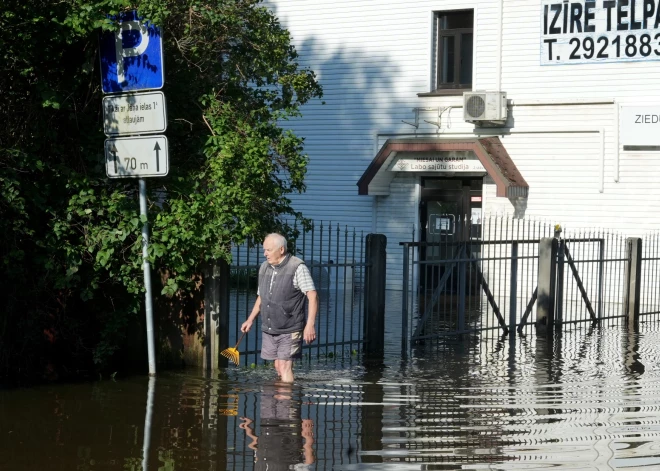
136 157
132 57
137 113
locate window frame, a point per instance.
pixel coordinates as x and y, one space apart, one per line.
457 34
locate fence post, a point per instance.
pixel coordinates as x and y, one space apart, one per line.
545 307
374 295
633 279
216 314
559 287
513 291
404 300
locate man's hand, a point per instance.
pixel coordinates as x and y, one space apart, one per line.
309 333
246 326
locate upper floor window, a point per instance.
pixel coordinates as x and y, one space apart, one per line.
454 33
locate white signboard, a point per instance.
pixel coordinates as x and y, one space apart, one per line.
437 164
640 126
441 223
138 113
145 156
590 31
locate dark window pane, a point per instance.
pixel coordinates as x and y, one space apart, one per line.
457 19
454 30
466 59
448 43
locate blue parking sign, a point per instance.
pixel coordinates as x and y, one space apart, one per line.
132 57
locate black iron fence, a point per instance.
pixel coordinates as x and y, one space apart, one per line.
487 280
472 279
336 259
650 277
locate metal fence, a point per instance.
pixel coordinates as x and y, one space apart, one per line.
487 281
650 277
335 258
472 288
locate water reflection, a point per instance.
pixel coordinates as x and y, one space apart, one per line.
284 439
586 399
146 442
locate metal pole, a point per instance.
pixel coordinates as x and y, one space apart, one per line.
146 442
559 306
146 268
513 291
404 307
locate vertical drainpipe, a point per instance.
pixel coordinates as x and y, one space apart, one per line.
616 141
500 18
601 171
374 198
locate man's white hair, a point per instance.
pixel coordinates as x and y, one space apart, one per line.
279 240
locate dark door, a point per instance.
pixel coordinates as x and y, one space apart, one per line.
446 211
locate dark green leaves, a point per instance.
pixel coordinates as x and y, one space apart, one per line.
70 238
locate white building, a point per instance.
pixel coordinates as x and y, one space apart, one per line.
572 100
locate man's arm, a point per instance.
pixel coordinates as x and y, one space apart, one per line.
308 435
304 282
247 426
255 312
309 333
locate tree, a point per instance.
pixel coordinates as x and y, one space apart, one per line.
69 237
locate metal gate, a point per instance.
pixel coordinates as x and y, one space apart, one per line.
489 284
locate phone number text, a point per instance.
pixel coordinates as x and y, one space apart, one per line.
604 48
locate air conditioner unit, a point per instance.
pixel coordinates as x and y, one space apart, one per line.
484 106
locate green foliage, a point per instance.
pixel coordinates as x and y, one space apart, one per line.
70 239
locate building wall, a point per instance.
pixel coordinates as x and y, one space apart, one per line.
374 58
397 218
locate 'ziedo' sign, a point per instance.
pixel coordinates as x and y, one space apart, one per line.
589 31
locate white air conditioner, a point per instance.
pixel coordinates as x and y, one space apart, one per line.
484 106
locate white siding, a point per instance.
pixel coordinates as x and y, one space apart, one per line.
397 220
373 58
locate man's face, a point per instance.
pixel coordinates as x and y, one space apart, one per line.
273 254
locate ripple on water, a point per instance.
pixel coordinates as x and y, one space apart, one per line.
588 399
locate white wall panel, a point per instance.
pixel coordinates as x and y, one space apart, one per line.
373 59
397 219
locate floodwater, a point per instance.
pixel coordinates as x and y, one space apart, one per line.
586 400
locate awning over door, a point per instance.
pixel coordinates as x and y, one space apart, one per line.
490 151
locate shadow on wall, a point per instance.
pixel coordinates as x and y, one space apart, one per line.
338 132
361 97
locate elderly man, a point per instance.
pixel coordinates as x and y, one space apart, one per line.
284 285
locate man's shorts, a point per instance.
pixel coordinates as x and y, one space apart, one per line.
281 346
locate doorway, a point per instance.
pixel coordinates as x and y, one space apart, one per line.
449 213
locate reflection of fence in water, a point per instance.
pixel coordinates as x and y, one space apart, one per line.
336 411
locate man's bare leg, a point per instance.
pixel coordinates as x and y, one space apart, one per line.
286 370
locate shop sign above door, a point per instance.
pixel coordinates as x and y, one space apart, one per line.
437 164
591 31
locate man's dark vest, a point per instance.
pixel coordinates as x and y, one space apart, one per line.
282 305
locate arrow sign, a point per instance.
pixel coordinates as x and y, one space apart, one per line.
136 157
157 149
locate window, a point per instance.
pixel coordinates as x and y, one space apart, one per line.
454 33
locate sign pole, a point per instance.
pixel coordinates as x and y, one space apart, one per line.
130 118
147 279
